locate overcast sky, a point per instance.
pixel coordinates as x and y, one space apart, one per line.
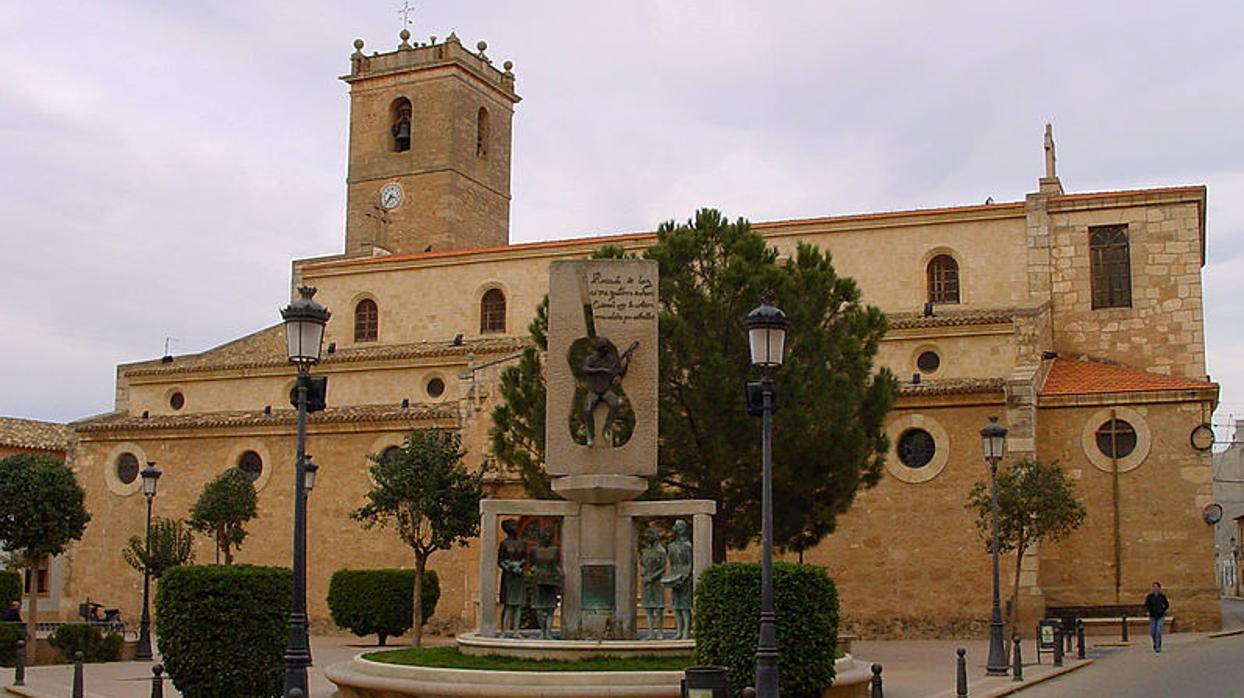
161 163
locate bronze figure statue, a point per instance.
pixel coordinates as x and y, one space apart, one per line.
512 559
680 580
602 368
546 567
651 569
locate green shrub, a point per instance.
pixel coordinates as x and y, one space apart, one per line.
379 602
10 587
727 624
94 645
10 633
222 629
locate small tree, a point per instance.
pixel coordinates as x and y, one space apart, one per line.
225 506
424 492
42 509
1036 503
171 545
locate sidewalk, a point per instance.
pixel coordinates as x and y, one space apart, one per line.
913 669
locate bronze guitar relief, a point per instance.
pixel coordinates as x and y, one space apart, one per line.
599 368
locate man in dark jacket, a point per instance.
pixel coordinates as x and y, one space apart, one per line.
1157 605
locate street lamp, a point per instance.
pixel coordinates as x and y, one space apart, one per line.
993 444
304 336
151 476
766 333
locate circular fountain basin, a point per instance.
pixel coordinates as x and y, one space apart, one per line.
477 645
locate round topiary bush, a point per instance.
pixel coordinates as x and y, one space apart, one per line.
727 624
222 629
379 602
10 587
94 645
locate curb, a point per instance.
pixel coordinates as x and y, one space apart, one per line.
1226 633
1012 690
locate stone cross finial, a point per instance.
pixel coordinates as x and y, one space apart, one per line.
1050 171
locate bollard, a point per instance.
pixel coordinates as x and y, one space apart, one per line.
1079 639
19 664
1017 668
1058 646
157 681
877 691
961 674
77 675
1125 628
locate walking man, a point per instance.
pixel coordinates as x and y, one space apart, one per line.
1157 605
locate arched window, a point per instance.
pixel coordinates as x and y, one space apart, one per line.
401 124
1111 264
366 321
481 134
943 279
492 312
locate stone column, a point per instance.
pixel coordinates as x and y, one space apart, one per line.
571 589
624 574
487 571
702 537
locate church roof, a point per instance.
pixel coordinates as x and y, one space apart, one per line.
120 421
953 318
951 386
266 348
1080 377
30 433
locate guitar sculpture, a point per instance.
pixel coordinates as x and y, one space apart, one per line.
600 372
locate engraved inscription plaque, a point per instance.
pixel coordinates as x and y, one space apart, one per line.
597 586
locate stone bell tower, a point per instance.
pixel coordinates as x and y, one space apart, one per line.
429 164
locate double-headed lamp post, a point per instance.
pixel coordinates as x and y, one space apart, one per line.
304 334
151 476
993 443
766 333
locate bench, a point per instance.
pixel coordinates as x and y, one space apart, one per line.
1104 614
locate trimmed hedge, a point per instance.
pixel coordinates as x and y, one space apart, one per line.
727 624
10 633
380 602
222 629
94 645
10 587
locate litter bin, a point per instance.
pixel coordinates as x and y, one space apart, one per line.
705 682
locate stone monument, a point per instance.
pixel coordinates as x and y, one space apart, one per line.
600 448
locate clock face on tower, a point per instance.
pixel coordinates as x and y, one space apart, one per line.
390 195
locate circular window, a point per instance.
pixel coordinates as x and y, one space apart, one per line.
928 362
127 468
251 464
916 448
390 453
1116 438
177 400
435 387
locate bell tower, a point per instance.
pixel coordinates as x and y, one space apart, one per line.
429 163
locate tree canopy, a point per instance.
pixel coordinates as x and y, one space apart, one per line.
171 545
42 507
1036 502
832 403
223 510
424 493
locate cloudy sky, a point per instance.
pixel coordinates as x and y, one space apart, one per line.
161 162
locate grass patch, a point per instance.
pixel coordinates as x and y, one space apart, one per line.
451 658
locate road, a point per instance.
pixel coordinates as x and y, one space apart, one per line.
1191 665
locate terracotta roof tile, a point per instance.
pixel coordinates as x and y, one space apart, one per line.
951 386
266 349
30 433
1079 377
332 415
950 318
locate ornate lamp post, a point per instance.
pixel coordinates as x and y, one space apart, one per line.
766 332
304 334
993 443
151 476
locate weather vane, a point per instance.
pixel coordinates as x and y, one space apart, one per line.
405 12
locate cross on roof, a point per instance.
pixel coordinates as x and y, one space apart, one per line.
405 12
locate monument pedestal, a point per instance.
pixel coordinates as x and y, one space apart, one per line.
599 543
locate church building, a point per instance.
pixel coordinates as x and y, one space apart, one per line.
1075 318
